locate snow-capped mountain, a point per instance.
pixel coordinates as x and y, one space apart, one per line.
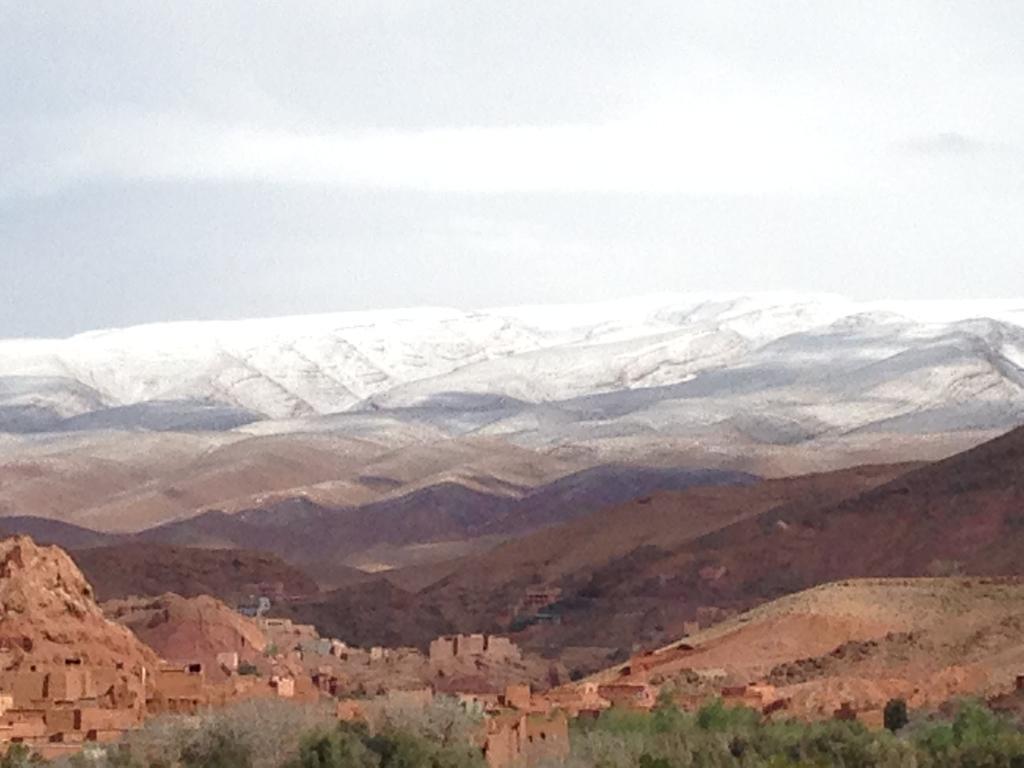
774 367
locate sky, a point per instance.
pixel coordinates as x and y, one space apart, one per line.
196 159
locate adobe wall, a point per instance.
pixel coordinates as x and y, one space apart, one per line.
501 649
518 696
70 685
24 724
97 719
501 746
442 649
471 645
228 660
515 739
178 683
547 739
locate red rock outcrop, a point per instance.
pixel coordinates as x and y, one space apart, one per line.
48 614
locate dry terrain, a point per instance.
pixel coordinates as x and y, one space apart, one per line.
859 642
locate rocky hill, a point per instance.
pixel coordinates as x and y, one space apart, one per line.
48 615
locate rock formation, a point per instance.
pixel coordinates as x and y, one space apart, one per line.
48 615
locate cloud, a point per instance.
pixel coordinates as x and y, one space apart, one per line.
716 148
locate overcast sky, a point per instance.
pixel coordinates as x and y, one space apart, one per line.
172 160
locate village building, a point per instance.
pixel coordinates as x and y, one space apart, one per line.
178 689
493 648
55 709
518 739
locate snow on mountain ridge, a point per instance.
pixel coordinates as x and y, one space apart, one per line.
307 365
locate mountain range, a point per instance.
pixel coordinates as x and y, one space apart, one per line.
413 472
776 369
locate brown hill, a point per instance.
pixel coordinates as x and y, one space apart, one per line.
192 629
433 523
591 557
667 520
635 573
321 537
963 514
861 641
240 470
129 481
46 531
49 619
153 569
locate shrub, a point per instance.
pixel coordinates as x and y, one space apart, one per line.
895 715
976 737
18 756
341 747
718 717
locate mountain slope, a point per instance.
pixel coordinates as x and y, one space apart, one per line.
307 533
961 514
858 642
140 569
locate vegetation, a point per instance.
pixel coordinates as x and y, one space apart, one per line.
277 734
717 736
895 715
280 735
18 756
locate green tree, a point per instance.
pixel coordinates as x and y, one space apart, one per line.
895 714
341 747
18 756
